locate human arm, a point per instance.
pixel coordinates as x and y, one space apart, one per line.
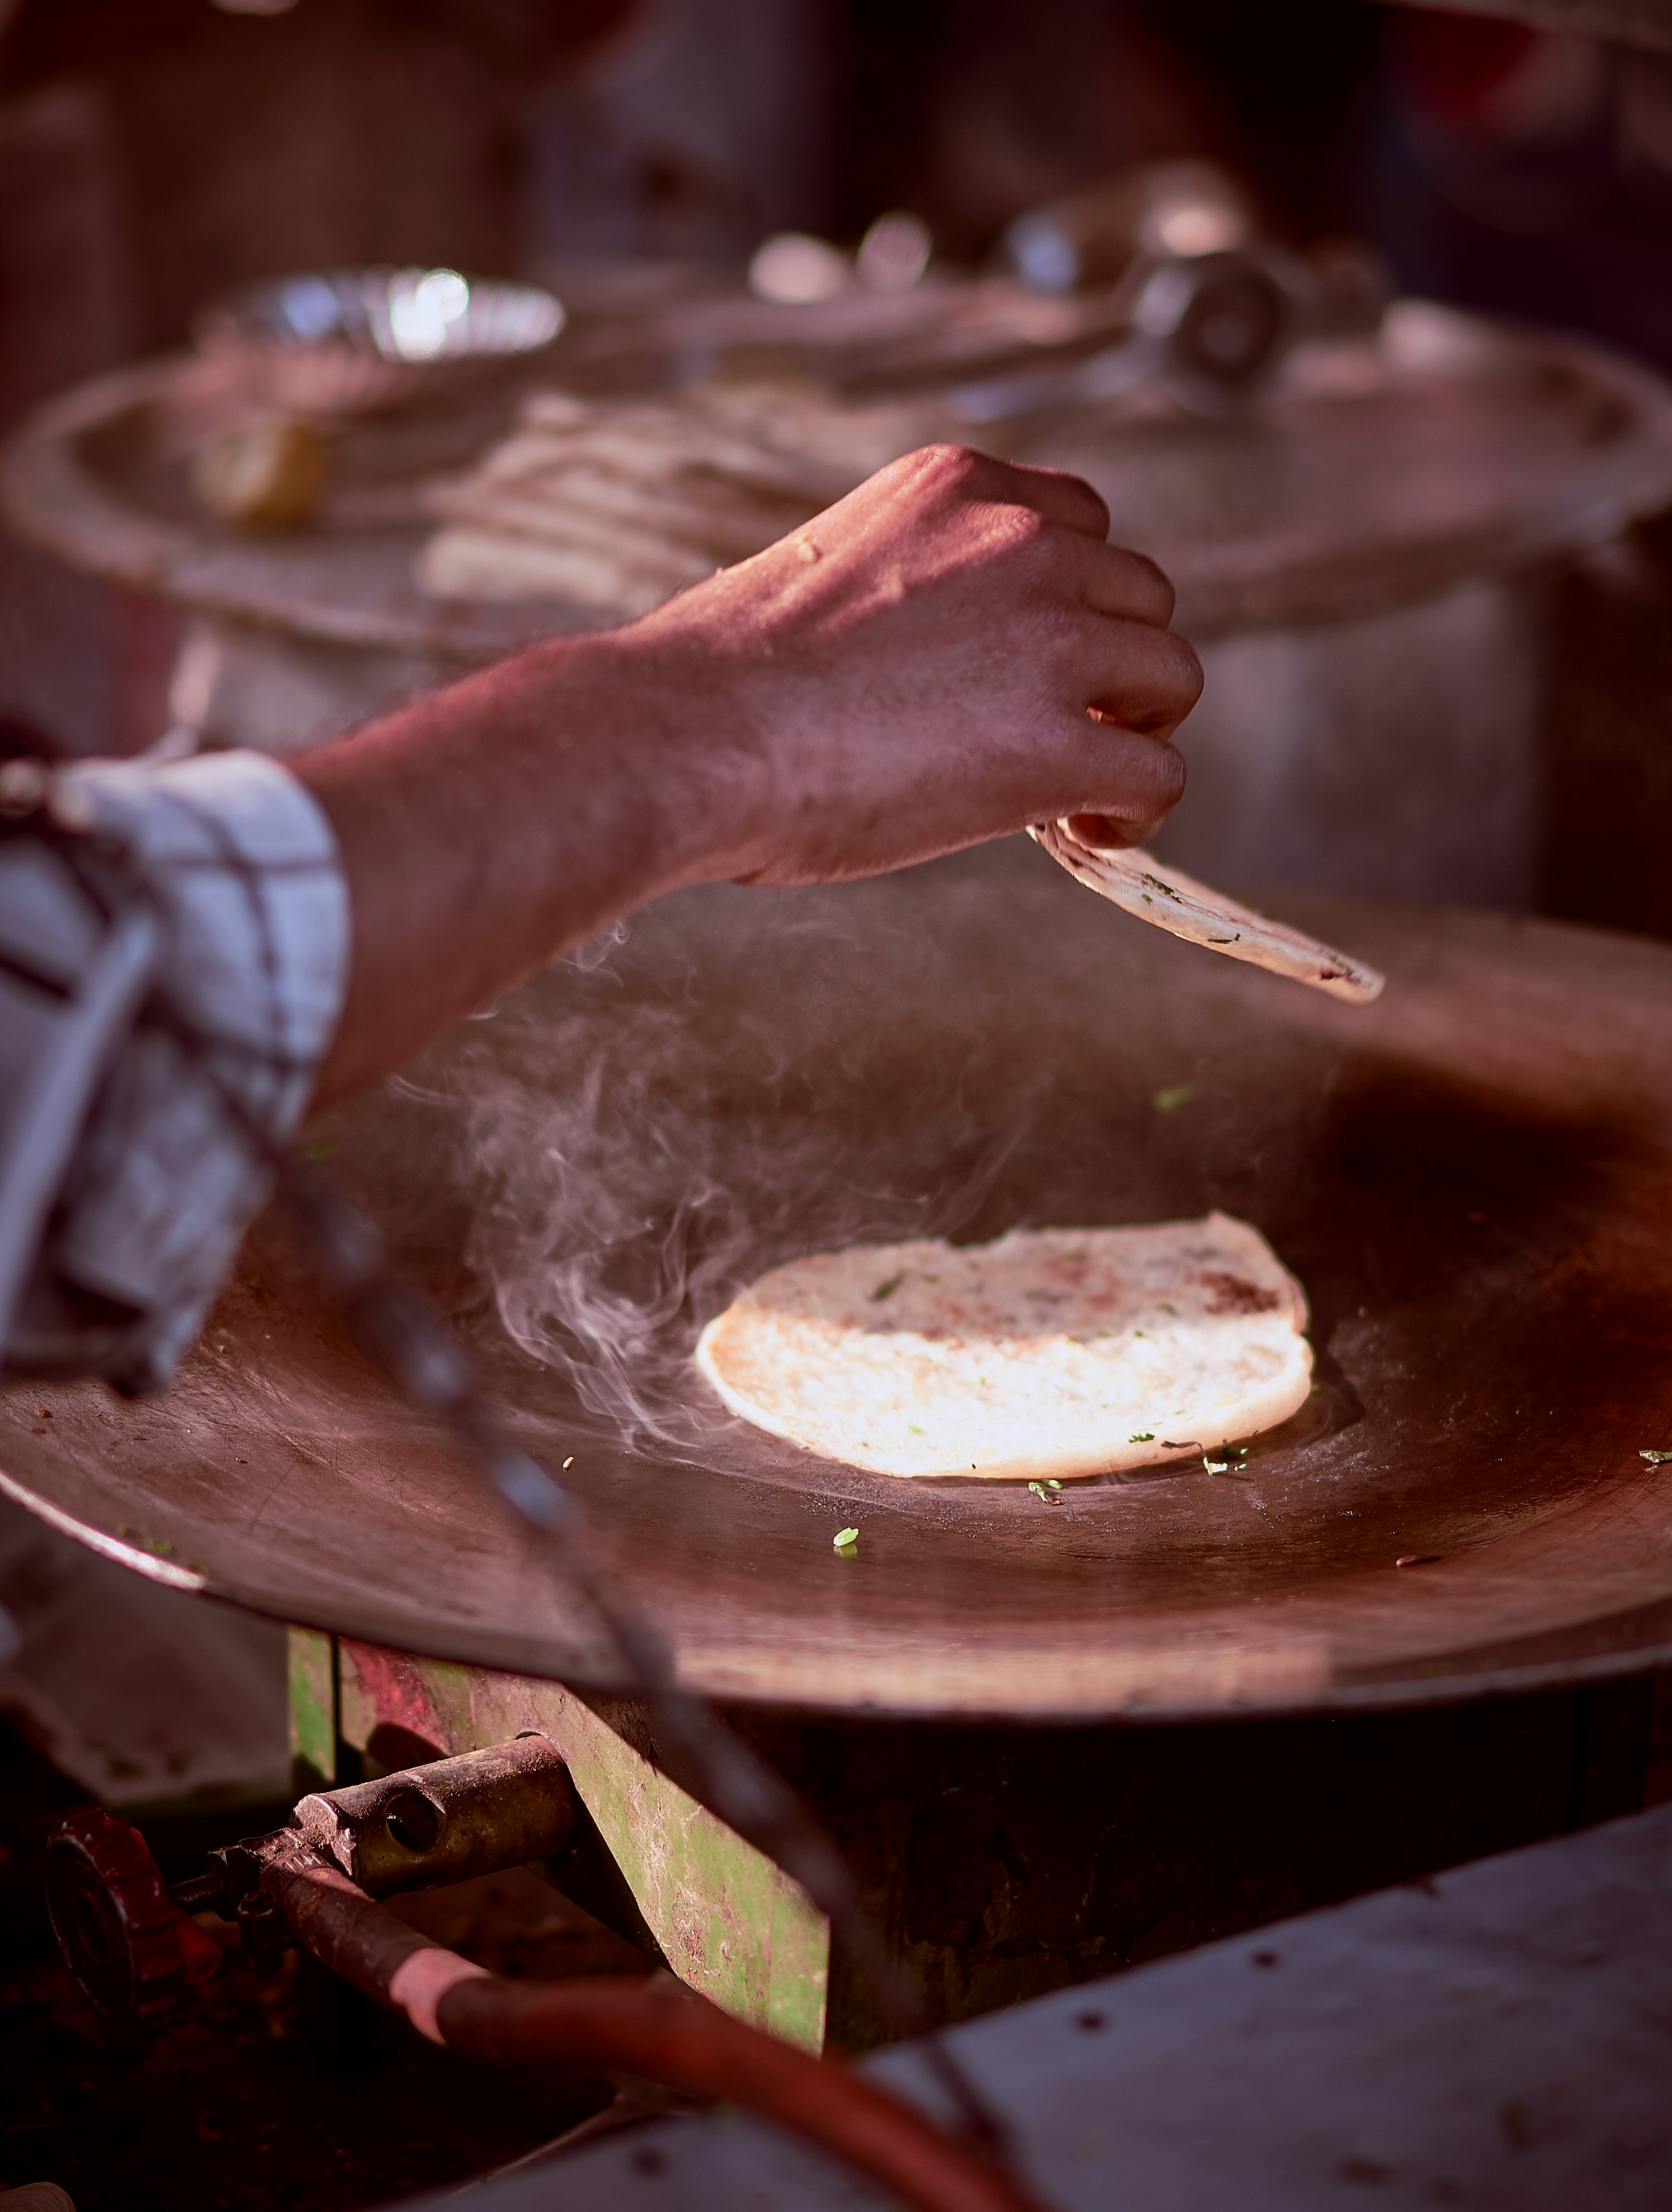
192 952
913 671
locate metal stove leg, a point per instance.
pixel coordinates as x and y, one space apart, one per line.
653 1863
315 1722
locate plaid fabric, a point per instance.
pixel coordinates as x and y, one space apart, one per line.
239 871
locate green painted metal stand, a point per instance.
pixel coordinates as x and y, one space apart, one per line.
999 1862
655 1863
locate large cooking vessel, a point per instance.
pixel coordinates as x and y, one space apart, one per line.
1472 1178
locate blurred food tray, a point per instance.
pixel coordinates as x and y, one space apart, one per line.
1373 475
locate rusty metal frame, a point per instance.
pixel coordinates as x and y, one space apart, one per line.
650 1860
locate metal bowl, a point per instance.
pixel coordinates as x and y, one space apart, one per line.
352 340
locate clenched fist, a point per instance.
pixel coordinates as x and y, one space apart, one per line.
919 668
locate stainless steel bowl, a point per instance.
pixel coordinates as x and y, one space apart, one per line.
351 341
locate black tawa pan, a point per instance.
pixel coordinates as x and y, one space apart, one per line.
1471 1177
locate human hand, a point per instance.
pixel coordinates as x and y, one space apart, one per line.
916 669
947 654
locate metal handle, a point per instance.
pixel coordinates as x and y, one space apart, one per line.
446 1821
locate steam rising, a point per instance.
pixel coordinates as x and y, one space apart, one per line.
739 1077
681 1105
605 1226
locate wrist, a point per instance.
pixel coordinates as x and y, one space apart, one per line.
663 717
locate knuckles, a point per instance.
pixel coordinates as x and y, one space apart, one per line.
1021 533
1146 585
964 477
946 469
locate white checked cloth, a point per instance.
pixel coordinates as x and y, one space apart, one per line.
250 934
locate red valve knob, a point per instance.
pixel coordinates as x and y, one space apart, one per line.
132 1950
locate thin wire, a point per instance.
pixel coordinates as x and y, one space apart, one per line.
424 1360
399 1326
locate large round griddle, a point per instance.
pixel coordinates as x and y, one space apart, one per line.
1473 1178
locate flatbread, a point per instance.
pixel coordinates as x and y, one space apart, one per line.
1051 1354
1147 888
617 505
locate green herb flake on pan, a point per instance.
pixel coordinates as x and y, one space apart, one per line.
845 1540
887 1290
1657 1458
1042 1491
1172 1097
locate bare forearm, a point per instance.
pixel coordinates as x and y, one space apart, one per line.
484 828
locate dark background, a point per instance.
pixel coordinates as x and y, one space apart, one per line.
155 153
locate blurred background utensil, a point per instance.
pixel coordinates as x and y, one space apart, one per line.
355 341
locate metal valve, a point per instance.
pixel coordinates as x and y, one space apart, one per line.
130 1946
131 1943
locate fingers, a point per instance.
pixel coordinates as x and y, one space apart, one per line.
1139 677
1058 496
1026 664
1140 779
1109 579
1112 580
1131 785
1139 680
1103 833
981 478
1145 681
